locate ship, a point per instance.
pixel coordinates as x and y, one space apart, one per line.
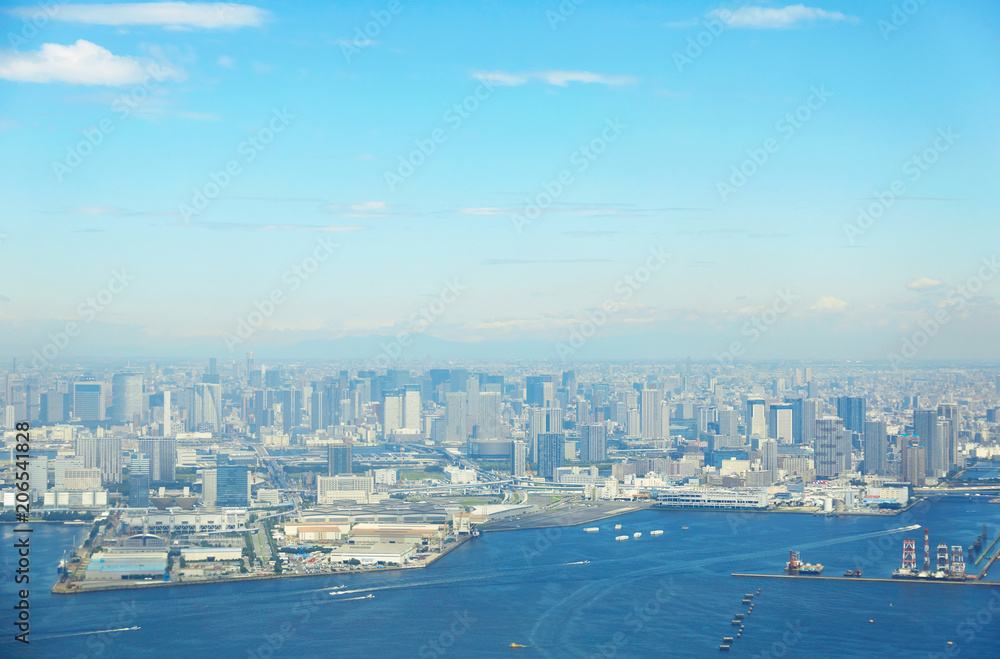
516 645
856 572
369 596
797 567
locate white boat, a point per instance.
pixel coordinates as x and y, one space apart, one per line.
592 529
656 532
369 596
617 526
637 534
621 538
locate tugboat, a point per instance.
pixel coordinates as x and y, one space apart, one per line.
856 572
797 567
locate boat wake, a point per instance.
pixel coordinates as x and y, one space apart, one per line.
99 631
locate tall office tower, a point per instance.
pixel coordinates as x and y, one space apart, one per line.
232 487
126 397
206 407
59 468
769 457
554 419
209 486
951 412
272 377
649 408
213 366
536 421
780 426
472 400
162 452
455 413
796 405
729 422
551 453
926 427
812 389
53 407
38 477
535 391
810 412
459 379
518 458
754 421
317 411
664 420
250 368
829 449
411 406
257 378
569 382
89 401
490 416
159 412
339 458
912 468
593 443
582 412
104 453
875 448
138 491
852 409
392 411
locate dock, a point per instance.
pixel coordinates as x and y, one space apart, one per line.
969 582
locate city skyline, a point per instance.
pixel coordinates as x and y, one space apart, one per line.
174 169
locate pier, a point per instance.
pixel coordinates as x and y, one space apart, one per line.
969 582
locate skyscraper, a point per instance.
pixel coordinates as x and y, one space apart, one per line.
769 457
651 411
926 427
162 452
490 415
551 453
104 453
518 458
455 416
952 412
853 410
126 397
411 406
832 447
89 401
593 443
392 411
780 427
876 447
138 491
232 487
754 421
912 461
339 458
206 407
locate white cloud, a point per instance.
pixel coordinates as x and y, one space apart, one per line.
173 15
923 283
829 303
369 206
768 18
226 62
260 67
82 63
557 78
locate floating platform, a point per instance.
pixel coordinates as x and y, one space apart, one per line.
657 532
803 577
592 529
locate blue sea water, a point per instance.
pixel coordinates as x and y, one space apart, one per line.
666 596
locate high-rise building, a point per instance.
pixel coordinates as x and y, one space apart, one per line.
876 447
593 443
518 458
59 468
754 421
392 411
162 452
232 487
209 486
729 422
853 410
38 477
411 406
811 409
54 407
832 447
490 416
769 457
126 397
780 426
927 428
456 412
206 407
536 423
104 453
318 418
159 412
89 401
551 453
912 461
651 412
953 414
339 458
138 491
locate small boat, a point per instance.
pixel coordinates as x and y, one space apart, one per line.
856 572
134 628
369 596
737 623
684 528
516 645
727 639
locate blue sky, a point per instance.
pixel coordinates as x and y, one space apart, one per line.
339 112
